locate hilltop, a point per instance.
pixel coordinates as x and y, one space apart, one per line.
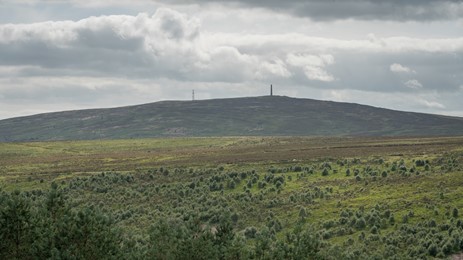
251 116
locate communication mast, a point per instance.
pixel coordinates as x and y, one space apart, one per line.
271 90
193 95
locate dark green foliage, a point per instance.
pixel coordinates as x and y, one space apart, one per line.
234 217
325 172
360 223
16 226
175 240
420 163
348 172
50 228
304 244
432 249
87 234
250 232
302 213
405 219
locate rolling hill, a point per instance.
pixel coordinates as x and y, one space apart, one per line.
252 116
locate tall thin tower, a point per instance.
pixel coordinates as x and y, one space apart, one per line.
193 95
271 90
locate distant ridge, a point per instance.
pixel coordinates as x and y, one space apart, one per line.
251 116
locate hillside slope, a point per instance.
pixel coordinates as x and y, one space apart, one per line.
264 116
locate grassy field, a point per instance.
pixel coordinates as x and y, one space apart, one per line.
365 197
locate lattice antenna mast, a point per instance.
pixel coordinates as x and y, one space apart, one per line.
271 90
193 95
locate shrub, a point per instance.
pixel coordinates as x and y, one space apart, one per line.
420 163
432 249
234 217
325 172
250 232
348 172
302 213
360 223
405 219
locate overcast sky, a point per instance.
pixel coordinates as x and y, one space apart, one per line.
62 55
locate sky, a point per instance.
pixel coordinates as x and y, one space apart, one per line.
60 55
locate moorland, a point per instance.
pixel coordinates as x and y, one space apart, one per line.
248 116
232 198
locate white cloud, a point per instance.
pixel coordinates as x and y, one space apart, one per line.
301 60
173 45
297 42
431 104
275 67
317 73
413 84
226 64
312 65
398 68
166 44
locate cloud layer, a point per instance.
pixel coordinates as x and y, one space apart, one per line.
392 10
126 59
169 44
165 45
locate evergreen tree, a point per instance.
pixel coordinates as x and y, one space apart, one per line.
16 227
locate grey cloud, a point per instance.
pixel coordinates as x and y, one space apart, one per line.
124 45
166 44
106 38
70 61
413 84
395 10
171 45
319 10
434 72
163 45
